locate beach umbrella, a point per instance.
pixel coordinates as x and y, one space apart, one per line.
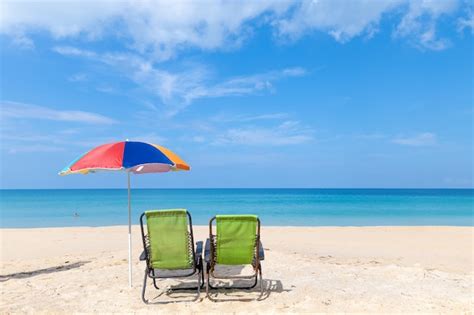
130 157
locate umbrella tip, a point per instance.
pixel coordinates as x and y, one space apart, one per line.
127 140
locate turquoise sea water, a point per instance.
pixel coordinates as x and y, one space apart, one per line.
310 207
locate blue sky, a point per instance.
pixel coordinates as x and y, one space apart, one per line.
251 94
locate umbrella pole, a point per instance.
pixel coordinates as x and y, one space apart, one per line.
129 235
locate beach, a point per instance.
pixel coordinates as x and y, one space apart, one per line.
337 134
306 269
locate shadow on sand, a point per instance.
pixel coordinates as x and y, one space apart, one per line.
270 286
27 274
178 292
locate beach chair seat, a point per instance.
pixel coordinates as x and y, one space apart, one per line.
236 243
168 248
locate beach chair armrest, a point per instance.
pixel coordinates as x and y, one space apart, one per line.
261 252
198 248
207 251
143 256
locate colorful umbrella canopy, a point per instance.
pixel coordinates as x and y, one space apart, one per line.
135 157
131 157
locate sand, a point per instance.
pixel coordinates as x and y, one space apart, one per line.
306 269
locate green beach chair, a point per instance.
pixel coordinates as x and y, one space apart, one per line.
168 248
236 243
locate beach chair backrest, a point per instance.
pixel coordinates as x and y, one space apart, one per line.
236 239
169 239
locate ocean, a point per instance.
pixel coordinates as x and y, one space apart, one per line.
292 207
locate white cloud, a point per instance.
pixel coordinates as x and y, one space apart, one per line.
287 133
29 111
160 29
343 20
419 23
467 21
422 139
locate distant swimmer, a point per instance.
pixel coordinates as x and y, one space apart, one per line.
76 215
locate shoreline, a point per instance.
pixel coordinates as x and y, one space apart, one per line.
413 244
267 226
250 188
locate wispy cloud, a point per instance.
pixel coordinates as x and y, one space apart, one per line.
286 133
34 139
73 51
151 137
467 22
78 77
181 88
26 129
419 23
370 136
421 139
198 139
29 111
244 85
22 41
248 118
417 140
33 148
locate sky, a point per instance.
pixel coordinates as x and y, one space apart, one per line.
323 94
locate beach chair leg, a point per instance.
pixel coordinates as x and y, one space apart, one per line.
207 282
199 285
253 285
155 285
261 279
154 280
200 267
144 287
202 275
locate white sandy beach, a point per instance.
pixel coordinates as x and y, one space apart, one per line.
306 269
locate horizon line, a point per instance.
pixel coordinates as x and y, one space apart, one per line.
254 188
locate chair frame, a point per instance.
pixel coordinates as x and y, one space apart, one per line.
197 266
210 258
